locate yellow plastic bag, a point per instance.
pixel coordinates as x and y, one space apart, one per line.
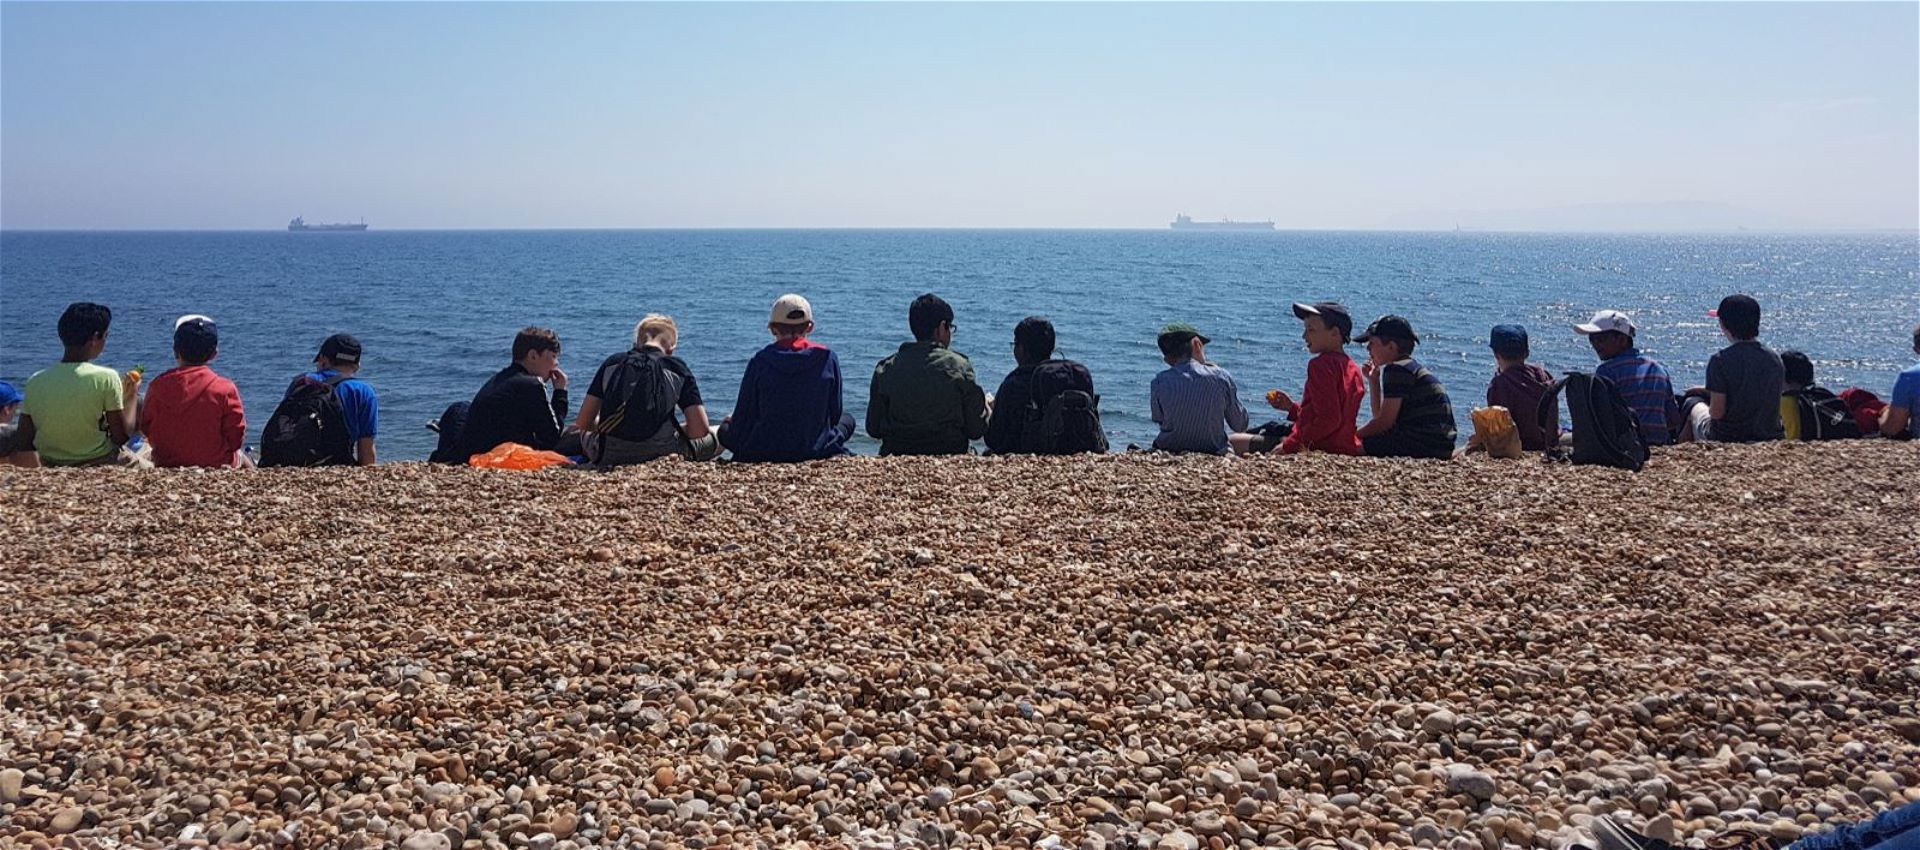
517 456
1496 432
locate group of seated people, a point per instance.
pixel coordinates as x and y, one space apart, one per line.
645 403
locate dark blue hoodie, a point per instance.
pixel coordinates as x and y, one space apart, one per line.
789 406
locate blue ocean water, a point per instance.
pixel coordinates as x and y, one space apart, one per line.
437 310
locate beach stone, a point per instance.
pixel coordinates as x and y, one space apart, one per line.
1157 811
66 820
1473 783
1177 840
426 840
1439 722
11 780
1661 828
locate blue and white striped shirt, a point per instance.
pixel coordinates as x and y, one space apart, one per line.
1192 401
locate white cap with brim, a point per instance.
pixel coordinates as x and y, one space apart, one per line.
1607 320
791 309
191 317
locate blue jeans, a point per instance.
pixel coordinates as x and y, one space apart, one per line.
1893 829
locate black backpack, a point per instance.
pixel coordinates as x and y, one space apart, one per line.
309 428
1605 431
1063 414
640 394
1823 415
448 426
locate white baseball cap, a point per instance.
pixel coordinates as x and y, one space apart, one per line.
1607 320
191 317
791 309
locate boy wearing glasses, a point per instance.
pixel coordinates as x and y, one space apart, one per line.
924 399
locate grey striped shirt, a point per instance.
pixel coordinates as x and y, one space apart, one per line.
1195 403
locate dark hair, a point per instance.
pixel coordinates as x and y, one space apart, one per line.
532 339
83 321
1916 337
1176 344
195 347
1034 335
1740 315
926 314
1799 367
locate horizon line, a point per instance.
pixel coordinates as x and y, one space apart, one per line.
960 228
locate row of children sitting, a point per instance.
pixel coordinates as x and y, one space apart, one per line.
645 402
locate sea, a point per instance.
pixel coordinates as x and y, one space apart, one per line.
437 310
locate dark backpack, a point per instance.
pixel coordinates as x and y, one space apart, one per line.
309 428
1063 414
1605 431
448 425
1823 415
639 397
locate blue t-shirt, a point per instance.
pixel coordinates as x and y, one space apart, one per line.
357 404
1906 390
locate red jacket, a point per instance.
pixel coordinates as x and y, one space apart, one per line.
193 417
1325 419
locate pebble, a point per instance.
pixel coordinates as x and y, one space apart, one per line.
426 840
918 664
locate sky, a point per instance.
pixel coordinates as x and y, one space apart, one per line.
511 115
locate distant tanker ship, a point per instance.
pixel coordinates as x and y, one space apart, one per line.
1182 222
299 224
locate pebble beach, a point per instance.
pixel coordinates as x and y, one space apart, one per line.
1124 651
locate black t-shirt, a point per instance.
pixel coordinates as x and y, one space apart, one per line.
1751 376
686 391
1426 414
7 432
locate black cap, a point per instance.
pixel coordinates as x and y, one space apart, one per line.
341 348
1389 327
1333 313
196 338
1735 308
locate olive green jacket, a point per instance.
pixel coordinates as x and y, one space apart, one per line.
924 401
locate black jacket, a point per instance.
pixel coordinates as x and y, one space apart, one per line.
513 408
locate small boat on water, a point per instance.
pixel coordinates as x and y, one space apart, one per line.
1182 222
299 225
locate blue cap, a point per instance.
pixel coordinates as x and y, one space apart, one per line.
1508 340
9 395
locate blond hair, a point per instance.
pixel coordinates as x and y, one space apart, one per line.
658 329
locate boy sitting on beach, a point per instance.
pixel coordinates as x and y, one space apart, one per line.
1412 416
1643 383
1743 382
1897 419
191 416
628 415
1809 411
1194 401
77 413
1325 417
9 409
1517 386
514 405
923 399
789 407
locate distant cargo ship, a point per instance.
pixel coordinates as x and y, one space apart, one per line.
1182 222
299 223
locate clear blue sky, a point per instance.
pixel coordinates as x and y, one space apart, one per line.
1009 115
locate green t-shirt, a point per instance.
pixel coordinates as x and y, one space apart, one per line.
66 402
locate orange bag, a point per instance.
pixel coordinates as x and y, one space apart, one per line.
1498 435
517 456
